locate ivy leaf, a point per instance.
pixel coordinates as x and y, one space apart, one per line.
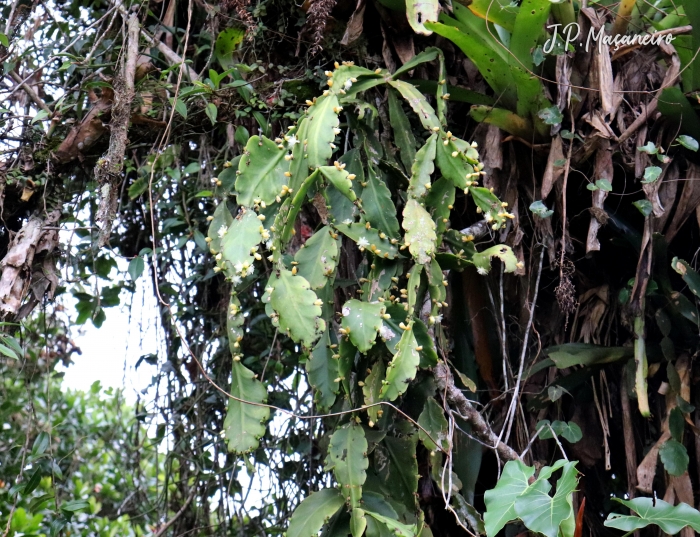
211 111
347 457
644 207
368 237
362 321
538 208
377 205
420 232
604 185
314 512
296 307
261 171
543 513
372 389
433 420
500 501
568 430
551 115
649 148
674 456
670 519
651 174
340 180
245 423
318 258
322 369
402 368
422 168
482 260
688 142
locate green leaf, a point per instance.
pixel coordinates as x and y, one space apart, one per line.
422 168
180 108
377 205
211 111
362 321
688 142
238 242
573 354
649 148
314 512
74 506
420 232
358 523
261 171
676 422
136 266
433 420
402 368
542 513
366 238
41 115
504 119
591 187
396 464
396 527
420 11
340 180
41 444
322 369
418 102
690 277
297 312
372 388
226 43
538 208
644 207
500 501
670 519
347 457
318 258
245 423
651 174
604 185
482 260
241 135
674 457
403 134
570 431
4 41
551 115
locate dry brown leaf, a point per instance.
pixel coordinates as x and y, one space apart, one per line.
689 201
646 471
355 24
553 172
603 170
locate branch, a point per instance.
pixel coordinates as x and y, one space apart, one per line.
454 396
33 95
170 522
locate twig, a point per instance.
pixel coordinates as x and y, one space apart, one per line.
177 515
25 448
33 95
445 384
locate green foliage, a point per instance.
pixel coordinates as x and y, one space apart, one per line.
671 519
313 512
245 423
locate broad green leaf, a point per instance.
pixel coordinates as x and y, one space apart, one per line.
543 513
180 108
347 457
482 260
651 174
296 307
372 389
433 420
420 11
572 354
396 527
211 112
314 512
551 115
379 210
4 41
504 119
422 168
643 206
420 232
261 171
362 322
239 242
468 513
403 135
604 185
674 457
396 464
226 43
568 430
322 369
380 279
339 179
538 208
322 121
369 238
652 511
418 102
41 444
347 352
414 277
649 148
500 501
402 368
245 423
428 55
318 258
428 354
688 142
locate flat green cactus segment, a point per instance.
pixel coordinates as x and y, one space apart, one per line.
420 232
358 522
428 354
245 423
346 360
261 170
380 279
314 512
418 102
362 322
296 307
234 324
394 526
453 164
690 277
318 257
343 78
221 220
489 204
482 260
297 141
433 420
440 200
295 206
420 11
347 457
422 168
339 179
322 369
402 470
372 388
322 121
377 205
413 285
403 134
402 368
438 292
441 94
366 238
239 242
